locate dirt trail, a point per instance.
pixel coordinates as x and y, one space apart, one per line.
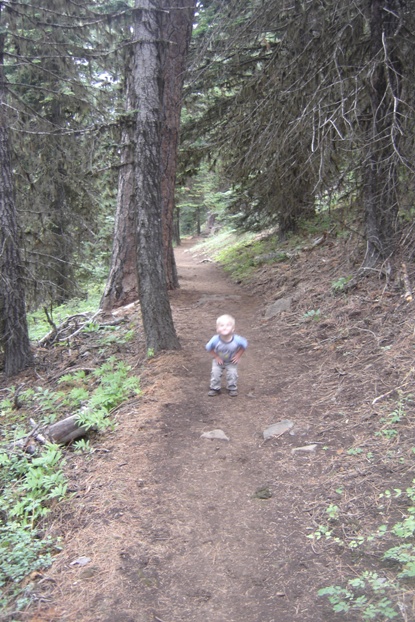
171 521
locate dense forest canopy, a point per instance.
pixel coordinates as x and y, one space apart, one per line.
290 105
303 99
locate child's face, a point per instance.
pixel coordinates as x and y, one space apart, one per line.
225 328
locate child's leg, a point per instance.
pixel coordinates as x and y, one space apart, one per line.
216 376
231 376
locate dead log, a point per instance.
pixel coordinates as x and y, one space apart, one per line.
65 431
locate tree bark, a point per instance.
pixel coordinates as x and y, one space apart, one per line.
176 17
13 323
122 284
60 263
148 64
380 169
177 32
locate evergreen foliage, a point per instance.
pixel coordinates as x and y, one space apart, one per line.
288 105
305 98
62 94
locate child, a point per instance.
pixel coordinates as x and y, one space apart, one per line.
226 349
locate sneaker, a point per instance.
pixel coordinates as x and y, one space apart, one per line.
213 392
233 393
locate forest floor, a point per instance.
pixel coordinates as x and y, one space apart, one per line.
182 528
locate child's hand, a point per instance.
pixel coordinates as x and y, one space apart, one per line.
218 360
237 356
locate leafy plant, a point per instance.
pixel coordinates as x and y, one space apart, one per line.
113 335
313 314
393 418
404 554
83 446
388 433
38 323
369 594
47 400
29 487
340 284
31 483
6 404
365 594
114 387
21 552
74 378
354 451
333 511
76 397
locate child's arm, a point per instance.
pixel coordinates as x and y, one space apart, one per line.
216 357
210 347
243 344
238 355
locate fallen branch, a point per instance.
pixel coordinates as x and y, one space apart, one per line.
381 397
80 329
53 334
408 289
65 431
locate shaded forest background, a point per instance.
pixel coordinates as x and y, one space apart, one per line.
288 110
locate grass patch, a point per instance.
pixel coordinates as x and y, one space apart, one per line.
240 254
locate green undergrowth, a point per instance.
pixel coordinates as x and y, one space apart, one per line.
32 474
39 324
381 545
240 254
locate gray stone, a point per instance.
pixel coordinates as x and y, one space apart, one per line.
277 307
215 434
305 448
81 561
277 429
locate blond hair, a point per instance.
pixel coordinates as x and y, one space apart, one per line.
226 318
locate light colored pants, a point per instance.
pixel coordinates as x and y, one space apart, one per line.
231 375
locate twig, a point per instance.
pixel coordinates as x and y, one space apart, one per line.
49 319
83 325
408 289
57 329
16 402
380 397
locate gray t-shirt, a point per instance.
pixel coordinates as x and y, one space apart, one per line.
226 349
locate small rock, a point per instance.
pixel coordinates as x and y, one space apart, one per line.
81 561
263 493
277 429
277 307
308 448
218 434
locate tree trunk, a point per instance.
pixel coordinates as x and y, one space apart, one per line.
380 176
148 65
13 324
122 284
176 226
60 264
177 32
